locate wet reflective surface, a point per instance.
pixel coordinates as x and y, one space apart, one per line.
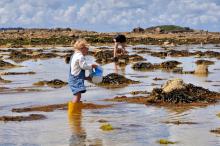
135 124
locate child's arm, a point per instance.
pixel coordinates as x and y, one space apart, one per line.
83 64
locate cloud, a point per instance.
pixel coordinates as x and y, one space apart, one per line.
110 15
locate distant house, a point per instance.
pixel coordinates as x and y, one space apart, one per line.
138 30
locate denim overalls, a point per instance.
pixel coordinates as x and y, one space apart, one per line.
76 83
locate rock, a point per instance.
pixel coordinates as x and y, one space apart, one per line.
205 62
201 69
169 64
18 56
179 122
174 84
182 95
45 55
56 83
135 58
216 131
18 73
143 66
4 81
104 56
175 91
31 117
5 65
116 80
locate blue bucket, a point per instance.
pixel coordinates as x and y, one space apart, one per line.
96 74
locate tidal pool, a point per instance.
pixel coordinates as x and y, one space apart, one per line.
133 124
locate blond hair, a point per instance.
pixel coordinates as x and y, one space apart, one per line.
79 44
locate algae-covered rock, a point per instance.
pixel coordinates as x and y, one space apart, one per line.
104 56
31 117
18 56
175 91
5 65
116 80
143 66
106 127
179 122
216 131
168 65
56 83
4 81
102 121
138 92
206 62
45 56
18 73
135 58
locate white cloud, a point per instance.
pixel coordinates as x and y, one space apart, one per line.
110 15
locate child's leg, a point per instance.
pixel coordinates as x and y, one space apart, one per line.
115 49
123 48
77 98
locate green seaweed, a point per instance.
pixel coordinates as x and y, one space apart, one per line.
106 127
164 141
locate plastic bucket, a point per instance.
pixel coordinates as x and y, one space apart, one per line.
96 75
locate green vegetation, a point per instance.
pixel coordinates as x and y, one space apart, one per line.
218 115
106 127
170 28
164 141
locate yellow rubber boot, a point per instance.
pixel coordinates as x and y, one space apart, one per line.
74 107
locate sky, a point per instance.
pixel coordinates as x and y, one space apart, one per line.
110 15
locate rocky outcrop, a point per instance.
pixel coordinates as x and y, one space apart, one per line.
114 80
56 83
167 65
176 91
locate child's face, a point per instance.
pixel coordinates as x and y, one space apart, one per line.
85 50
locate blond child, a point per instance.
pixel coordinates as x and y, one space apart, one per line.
78 65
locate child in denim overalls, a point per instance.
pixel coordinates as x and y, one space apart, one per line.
78 66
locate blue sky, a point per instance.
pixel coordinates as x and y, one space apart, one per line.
110 15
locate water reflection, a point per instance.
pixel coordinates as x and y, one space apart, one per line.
78 136
119 69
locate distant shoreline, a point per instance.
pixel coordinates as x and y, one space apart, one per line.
63 37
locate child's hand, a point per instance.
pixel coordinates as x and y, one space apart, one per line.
88 78
94 65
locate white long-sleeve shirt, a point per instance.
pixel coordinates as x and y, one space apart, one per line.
78 63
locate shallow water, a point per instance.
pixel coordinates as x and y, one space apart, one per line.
135 124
